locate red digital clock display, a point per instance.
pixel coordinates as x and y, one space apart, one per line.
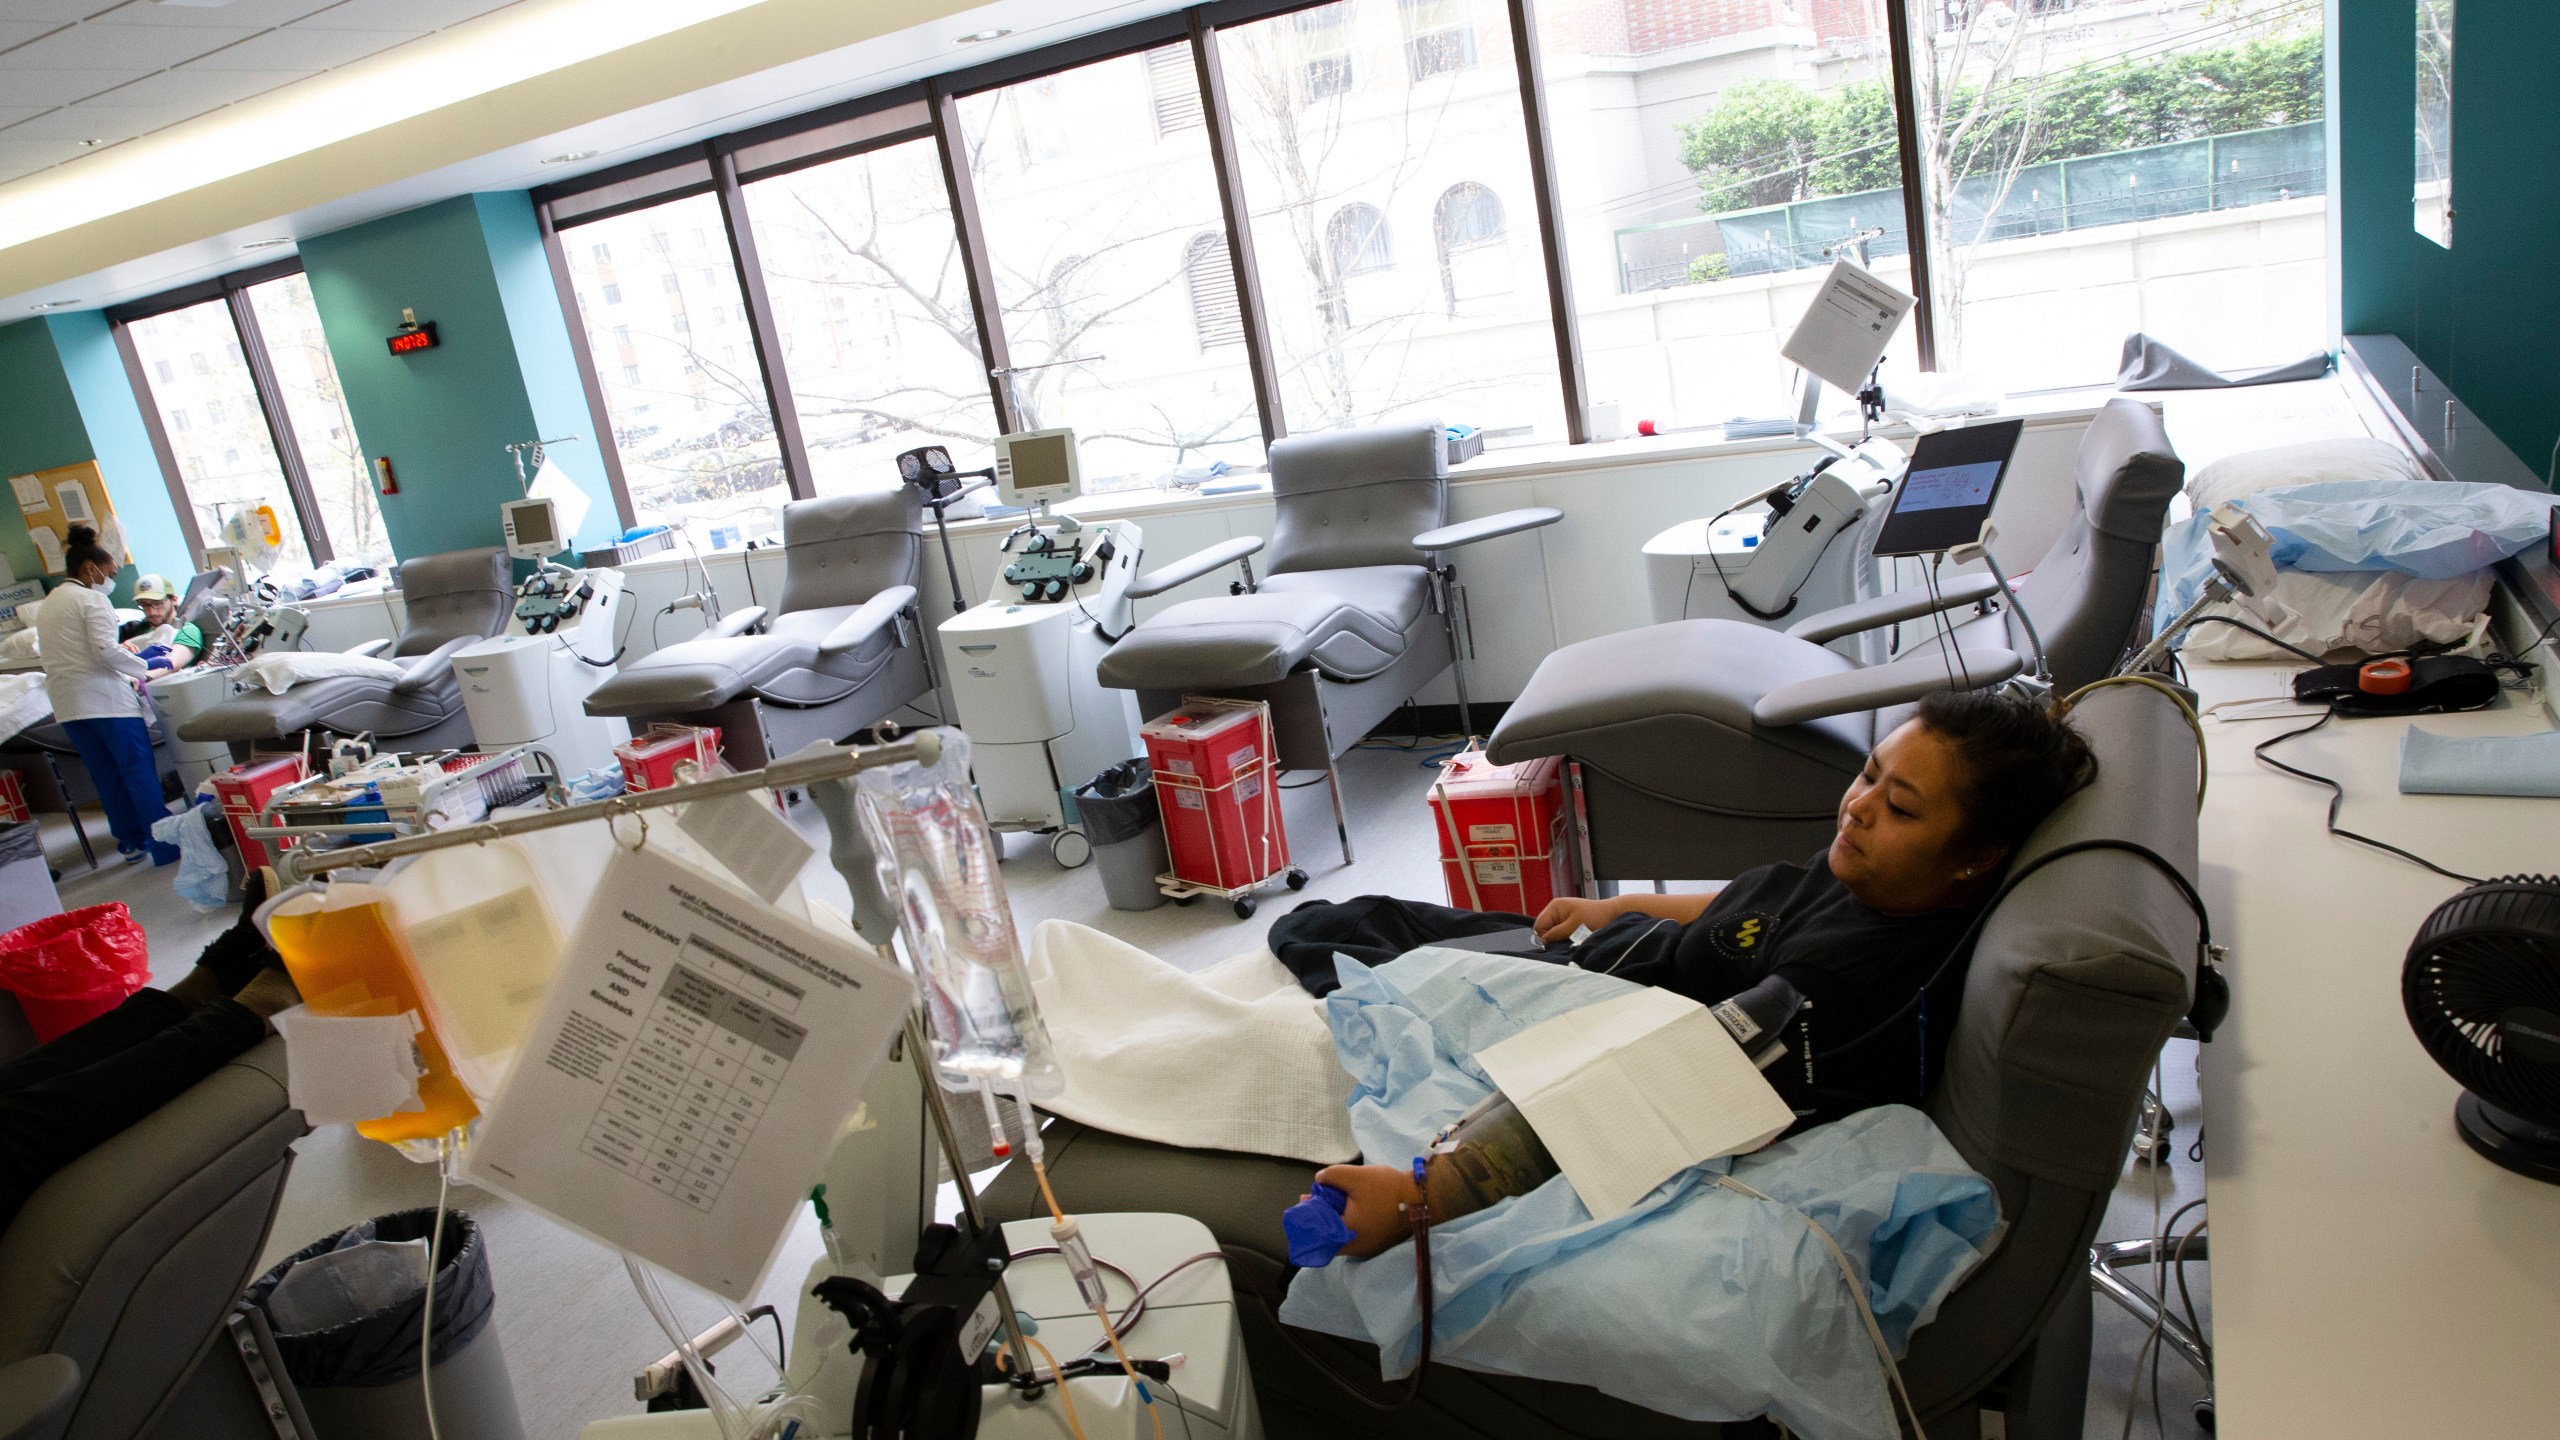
410 342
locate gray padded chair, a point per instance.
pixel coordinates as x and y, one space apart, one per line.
453 600
1704 747
1353 614
2080 975
127 1262
843 652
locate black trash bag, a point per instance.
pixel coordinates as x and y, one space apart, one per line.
382 1348
21 841
1119 804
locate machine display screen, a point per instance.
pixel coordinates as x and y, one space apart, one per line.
1040 463
533 524
1947 492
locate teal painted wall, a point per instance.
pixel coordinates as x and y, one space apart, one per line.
120 444
444 416
2485 316
63 400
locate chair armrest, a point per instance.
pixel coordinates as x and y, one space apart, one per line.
736 622
1954 593
866 620
1877 686
36 1394
433 666
1194 565
1488 527
370 647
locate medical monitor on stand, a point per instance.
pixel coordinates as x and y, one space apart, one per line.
532 529
1036 468
1946 495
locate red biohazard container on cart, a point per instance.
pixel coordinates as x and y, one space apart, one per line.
1503 841
245 791
651 761
1215 764
13 800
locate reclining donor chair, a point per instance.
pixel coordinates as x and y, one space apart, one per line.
1351 618
843 652
2079 975
453 600
1700 748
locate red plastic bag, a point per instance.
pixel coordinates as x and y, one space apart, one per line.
68 969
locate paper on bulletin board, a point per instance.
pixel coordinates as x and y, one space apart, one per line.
30 492
66 496
695 1058
48 549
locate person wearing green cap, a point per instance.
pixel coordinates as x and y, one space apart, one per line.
163 644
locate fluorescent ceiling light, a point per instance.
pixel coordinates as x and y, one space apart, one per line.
571 158
506 48
53 304
271 242
981 37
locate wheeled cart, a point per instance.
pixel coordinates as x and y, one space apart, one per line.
1216 765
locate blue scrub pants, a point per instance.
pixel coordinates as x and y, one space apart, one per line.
118 754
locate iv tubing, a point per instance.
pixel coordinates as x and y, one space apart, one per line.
1040 1172
427 1307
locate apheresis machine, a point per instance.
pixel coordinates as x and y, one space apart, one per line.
1021 663
529 686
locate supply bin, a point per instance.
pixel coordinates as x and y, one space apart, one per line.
26 883
245 790
357 1377
1503 841
662 757
69 969
1120 819
1214 764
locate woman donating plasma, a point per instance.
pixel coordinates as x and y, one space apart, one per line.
1923 835
92 678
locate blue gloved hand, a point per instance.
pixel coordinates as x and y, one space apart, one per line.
1315 1227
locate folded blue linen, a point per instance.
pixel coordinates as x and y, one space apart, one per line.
2433 764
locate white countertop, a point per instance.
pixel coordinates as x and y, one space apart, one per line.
2372 1276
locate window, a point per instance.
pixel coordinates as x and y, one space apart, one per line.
177 418
603 254
2434 153
1093 250
673 281
166 371
1330 182
2086 177
1323 38
1466 222
306 379
1176 88
873 228
1355 240
229 464
718 473
1438 38
1209 273
1717 168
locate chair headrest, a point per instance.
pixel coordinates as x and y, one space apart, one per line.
454 572
899 509
2128 471
1369 455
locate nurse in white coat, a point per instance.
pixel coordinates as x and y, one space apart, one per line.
92 680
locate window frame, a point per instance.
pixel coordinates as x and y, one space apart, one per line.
233 291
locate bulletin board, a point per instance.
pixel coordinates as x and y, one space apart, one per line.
52 501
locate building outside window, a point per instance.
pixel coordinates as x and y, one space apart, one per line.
1333 180
227 459
1091 213
1439 37
690 418
307 383
903 368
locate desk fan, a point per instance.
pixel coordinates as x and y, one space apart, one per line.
2482 988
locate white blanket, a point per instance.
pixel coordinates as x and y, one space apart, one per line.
1236 1057
285 669
24 702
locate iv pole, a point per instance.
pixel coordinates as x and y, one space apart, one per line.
832 762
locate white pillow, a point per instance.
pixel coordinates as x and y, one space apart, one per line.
2251 471
278 673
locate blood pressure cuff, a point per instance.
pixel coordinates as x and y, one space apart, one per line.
2437 684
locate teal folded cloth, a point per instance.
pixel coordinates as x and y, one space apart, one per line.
2432 764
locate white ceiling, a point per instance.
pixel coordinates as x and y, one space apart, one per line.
81 76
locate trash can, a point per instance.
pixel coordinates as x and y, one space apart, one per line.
346 1334
69 969
1120 818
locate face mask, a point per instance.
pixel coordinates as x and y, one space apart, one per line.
103 586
